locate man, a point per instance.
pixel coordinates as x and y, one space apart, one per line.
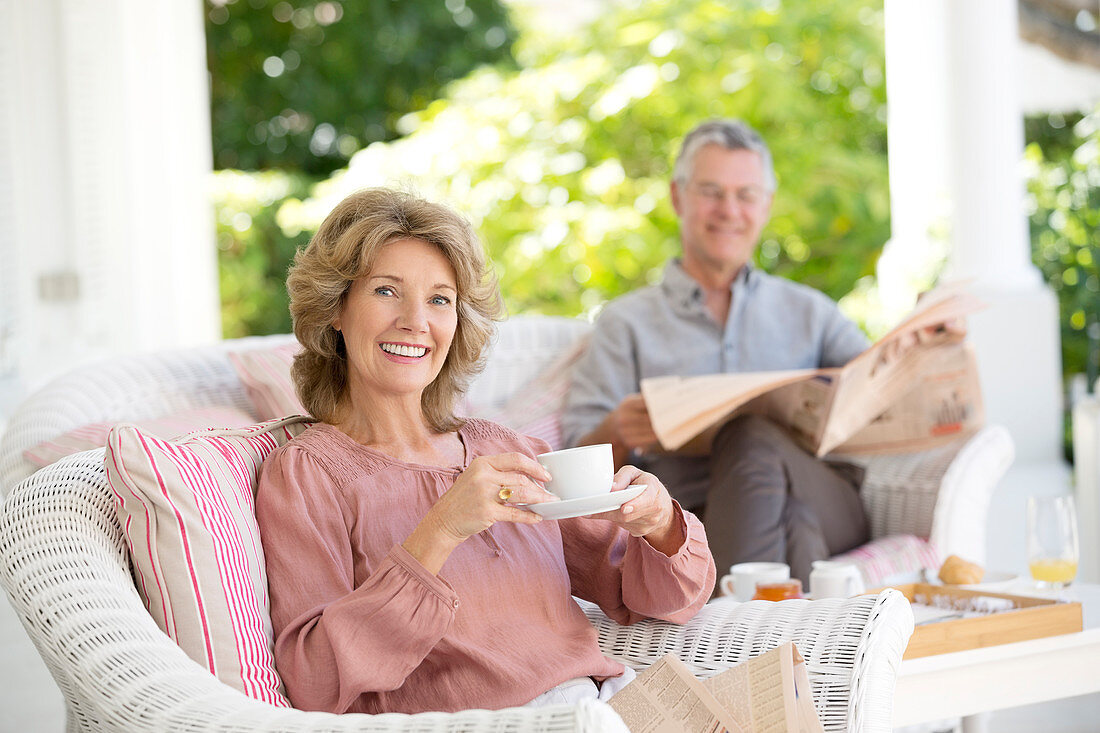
762 497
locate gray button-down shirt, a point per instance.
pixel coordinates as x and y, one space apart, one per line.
666 329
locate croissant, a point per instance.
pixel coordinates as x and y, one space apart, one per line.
956 571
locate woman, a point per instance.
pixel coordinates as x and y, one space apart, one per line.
403 576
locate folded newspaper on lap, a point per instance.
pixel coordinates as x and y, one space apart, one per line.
911 390
766 694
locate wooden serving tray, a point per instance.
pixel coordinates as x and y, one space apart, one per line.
1030 618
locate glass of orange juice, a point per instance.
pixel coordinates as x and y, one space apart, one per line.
1052 549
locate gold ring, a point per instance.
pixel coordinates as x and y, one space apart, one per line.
504 494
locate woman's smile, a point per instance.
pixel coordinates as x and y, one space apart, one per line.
404 352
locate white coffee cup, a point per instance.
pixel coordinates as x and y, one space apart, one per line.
743 577
578 472
834 579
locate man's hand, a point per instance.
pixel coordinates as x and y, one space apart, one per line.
953 329
627 428
949 331
631 426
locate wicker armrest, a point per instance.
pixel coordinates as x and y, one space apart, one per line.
66 571
852 647
941 494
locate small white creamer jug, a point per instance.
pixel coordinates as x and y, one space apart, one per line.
833 579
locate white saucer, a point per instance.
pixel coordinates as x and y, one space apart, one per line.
586 504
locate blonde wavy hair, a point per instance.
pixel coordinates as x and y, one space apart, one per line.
342 251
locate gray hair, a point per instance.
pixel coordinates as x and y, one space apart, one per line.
731 135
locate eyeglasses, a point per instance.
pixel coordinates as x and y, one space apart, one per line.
746 196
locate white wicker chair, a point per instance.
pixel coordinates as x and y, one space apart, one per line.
129 388
67 571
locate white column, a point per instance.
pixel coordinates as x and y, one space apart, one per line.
986 137
105 140
1017 338
956 146
916 124
1086 484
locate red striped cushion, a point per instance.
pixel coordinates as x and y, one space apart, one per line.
187 510
894 555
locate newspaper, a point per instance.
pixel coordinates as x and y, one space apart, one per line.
766 694
911 390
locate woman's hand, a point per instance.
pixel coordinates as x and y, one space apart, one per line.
474 503
481 496
649 515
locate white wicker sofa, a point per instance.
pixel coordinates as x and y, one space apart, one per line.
68 573
940 496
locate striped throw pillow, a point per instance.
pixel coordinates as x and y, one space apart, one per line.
884 559
188 512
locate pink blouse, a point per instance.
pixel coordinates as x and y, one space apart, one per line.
361 626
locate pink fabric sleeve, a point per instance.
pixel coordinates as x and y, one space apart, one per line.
629 580
334 641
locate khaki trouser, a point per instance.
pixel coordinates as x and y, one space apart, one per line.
763 498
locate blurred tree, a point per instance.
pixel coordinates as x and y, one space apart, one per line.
564 165
254 250
1064 196
302 84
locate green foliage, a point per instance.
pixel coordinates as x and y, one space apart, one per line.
563 166
1064 188
302 85
254 250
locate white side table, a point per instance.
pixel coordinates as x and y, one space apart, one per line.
968 683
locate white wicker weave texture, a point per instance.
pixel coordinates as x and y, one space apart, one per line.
523 346
66 570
